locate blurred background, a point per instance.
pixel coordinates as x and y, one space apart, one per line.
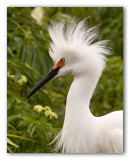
32 124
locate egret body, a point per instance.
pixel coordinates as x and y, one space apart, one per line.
75 51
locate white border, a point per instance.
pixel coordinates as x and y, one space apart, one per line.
56 3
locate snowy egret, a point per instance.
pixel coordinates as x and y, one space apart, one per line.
76 51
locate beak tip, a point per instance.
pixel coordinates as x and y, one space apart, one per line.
27 96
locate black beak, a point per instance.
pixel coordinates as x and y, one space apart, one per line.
43 81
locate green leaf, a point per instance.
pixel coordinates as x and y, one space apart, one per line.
20 137
12 143
9 149
23 52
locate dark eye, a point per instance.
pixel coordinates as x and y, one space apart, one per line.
62 60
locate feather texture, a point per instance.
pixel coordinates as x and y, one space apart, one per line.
76 35
85 60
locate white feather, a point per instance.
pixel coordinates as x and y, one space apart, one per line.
85 61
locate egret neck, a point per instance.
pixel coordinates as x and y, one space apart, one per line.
78 99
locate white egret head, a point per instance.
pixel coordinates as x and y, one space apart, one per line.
74 50
76 43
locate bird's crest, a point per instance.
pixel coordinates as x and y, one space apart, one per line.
76 35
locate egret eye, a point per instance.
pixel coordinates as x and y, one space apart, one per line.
62 60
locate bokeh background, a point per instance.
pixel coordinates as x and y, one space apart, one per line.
32 124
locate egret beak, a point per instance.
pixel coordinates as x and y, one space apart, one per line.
47 78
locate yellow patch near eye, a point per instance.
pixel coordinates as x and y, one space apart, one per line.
62 60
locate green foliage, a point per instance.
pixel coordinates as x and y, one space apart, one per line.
30 130
24 121
108 95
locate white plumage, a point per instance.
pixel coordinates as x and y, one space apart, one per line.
75 51
85 60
